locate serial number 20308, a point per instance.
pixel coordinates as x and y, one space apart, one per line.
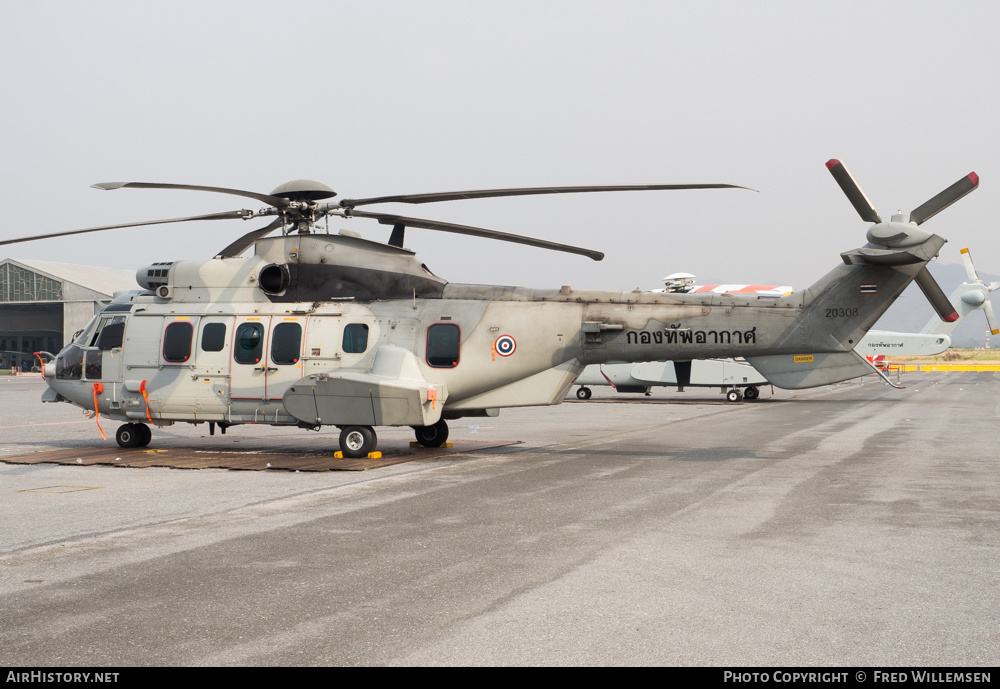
841 312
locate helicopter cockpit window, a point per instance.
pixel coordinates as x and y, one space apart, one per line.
118 306
92 365
69 364
355 338
87 336
110 333
92 340
177 342
249 343
443 342
213 337
286 343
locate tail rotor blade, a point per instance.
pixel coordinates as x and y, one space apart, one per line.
991 320
932 207
970 269
936 296
853 192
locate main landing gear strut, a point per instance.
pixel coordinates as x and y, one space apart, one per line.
358 441
432 436
751 392
133 435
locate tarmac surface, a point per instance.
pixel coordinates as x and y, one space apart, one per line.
850 525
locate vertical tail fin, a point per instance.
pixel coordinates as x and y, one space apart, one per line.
841 307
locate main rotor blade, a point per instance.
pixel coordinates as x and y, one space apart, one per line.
247 240
272 200
385 219
231 215
853 192
936 296
525 191
932 207
970 269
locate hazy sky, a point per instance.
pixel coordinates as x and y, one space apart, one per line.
378 98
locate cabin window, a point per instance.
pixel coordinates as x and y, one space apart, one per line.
249 343
355 338
213 337
286 343
177 342
443 343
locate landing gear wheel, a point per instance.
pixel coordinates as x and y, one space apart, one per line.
432 436
752 392
130 435
357 441
734 395
145 435
583 393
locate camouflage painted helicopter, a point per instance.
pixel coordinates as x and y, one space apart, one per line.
320 329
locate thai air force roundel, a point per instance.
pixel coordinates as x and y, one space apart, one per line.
505 345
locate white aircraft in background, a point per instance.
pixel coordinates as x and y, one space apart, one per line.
731 374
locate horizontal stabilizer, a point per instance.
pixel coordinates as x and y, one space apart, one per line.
799 371
884 257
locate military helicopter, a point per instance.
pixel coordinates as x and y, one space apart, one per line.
332 329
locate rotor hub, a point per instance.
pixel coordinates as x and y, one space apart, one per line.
975 298
304 190
897 235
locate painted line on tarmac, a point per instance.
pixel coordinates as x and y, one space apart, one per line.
51 423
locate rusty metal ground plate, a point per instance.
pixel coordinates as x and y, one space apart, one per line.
246 454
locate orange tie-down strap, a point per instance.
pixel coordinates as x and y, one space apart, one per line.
98 389
142 389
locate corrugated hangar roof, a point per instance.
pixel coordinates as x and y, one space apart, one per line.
101 280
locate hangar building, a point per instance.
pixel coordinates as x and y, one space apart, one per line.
43 303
